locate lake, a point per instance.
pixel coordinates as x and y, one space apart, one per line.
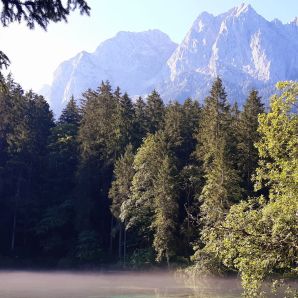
111 285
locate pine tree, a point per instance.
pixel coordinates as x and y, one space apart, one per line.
140 127
71 114
98 139
155 111
248 135
120 192
153 206
166 211
24 147
192 116
221 188
180 124
138 210
126 117
55 228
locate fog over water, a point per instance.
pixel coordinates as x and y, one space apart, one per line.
110 284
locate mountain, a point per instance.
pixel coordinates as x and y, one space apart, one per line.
240 46
130 60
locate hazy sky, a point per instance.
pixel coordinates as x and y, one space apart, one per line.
35 54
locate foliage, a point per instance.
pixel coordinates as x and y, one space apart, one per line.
248 135
260 235
221 188
120 190
141 257
87 248
170 181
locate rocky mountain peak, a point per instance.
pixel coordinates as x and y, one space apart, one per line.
240 46
294 21
243 9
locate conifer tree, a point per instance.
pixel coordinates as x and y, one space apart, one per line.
125 121
180 124
71 114
248 136
153 206
99 144
55 228
25 126
138 210
140 127
192 116
120 192
155 111
221 188
166 211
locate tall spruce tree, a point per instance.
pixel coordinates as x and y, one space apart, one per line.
181 122
166 211
99 147
23 142
138 210
248 136
140 122
120 192
55 228
71 114
126 116
155 111
153 206
221 188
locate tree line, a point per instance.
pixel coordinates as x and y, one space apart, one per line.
140 182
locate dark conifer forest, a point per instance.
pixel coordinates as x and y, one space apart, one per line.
209 187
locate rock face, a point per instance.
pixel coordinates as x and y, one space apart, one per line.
240 46
130 60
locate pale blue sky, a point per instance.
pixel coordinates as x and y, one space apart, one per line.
36 54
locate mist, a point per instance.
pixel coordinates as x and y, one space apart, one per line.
111 284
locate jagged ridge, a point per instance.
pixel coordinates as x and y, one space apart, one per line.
241 46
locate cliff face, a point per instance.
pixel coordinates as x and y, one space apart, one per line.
240 46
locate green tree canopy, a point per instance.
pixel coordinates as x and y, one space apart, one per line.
260 236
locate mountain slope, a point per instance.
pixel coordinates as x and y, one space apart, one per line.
240 46
130 60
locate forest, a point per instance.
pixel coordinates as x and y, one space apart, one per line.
211 188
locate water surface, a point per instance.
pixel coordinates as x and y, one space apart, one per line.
111 285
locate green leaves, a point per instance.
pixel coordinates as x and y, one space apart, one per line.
262 233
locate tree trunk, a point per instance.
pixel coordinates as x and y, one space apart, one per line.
120 242
14 225
168 259
111 236
124 248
